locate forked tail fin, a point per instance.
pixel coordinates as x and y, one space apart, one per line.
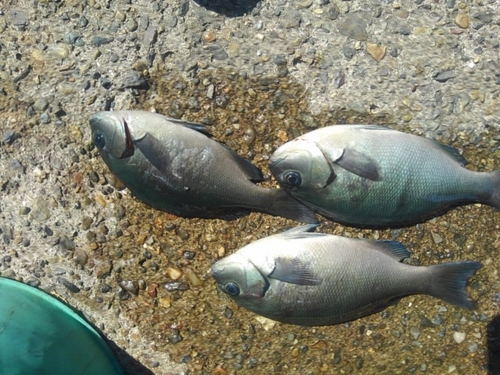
449 282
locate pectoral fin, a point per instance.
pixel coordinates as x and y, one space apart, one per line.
294 271
355 162
154 151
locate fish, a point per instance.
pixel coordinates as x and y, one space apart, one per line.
313 279
370 176
174 166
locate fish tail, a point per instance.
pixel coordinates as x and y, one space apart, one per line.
449 282
494 200
283 204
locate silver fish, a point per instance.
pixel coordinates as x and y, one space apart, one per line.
304 278
372 176
174 166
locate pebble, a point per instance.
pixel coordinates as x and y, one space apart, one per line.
462 20
74 38
100 40
80 257
9 273
68 285
176 286
459 337
8 136
444 75
353 25
59 50
249 136
41 212
436 238
103 269
228 313
150 36
19 18
182 233
308 120
376 51
338 78
174 273
130 286
193 279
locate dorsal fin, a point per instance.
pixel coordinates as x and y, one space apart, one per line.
192 125
394 249
451 151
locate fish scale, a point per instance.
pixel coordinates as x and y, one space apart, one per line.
174 166
304 278
382 177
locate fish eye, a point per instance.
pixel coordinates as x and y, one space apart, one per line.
292 179
99 140
232 289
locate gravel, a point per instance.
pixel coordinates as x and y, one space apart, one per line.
257 73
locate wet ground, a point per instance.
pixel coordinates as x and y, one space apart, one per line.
70 227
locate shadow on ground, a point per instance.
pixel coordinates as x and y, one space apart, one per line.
493 341
231 8
128 363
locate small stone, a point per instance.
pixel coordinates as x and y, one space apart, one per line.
80 257
68 285
150 36
24 210
415 332
130 286
66 243
74 38
308 120
176 286
120 15
459 337
99 40
249 136
209 36
436 238
444 75
182 233
462 20
193 279
103 269
228 313
338 78
210 91
189 255
353 26
8 136
9 273
376 51
164 302
174 339
86 222
174 273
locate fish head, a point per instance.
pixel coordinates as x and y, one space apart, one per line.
300 165
111 135
240 279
